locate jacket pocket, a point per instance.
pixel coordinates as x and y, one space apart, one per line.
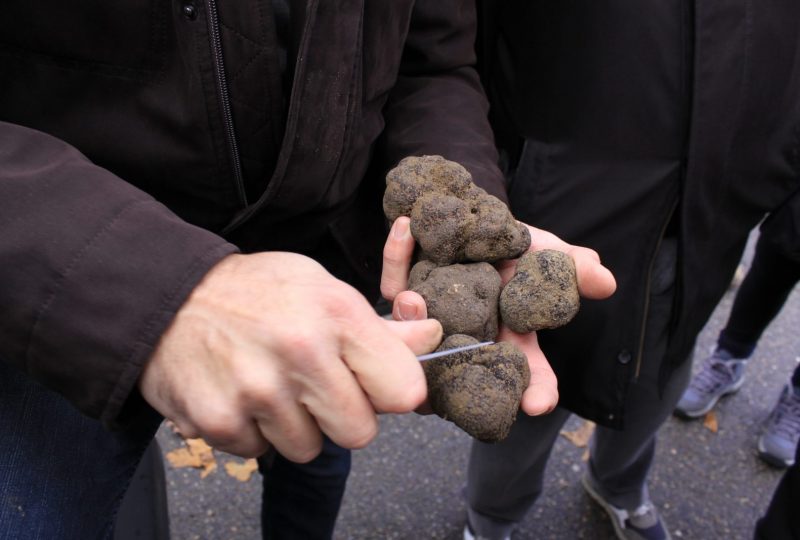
95 34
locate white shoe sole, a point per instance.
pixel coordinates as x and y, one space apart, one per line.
612 513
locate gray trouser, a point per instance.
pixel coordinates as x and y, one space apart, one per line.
505 479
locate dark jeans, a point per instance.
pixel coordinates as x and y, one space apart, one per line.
303 500
62 475
771 278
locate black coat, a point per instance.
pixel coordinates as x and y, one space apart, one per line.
623 122
140 142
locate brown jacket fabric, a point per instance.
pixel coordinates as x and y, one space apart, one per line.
140 142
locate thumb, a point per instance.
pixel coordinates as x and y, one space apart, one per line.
420 336
409 306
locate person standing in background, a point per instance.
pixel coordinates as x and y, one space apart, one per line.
773 273
657 134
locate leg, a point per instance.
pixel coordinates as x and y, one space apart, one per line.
620 460
505 479
62 475
143 512
761 296
782 521
303 500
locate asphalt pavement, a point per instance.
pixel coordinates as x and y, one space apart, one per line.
407 484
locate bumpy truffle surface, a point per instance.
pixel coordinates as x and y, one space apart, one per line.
462 297
542 294
478 390
452 219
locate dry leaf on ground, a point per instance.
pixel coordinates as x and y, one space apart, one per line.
710 422
580 437
242 471
197 454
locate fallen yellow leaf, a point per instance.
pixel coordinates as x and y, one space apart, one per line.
580 437
182 457
241 471
710 422
197 454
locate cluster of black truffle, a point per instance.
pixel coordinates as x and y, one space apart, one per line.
460 230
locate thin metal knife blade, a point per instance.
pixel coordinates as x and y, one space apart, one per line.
430 356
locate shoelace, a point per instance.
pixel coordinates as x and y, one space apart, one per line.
713 375
787 412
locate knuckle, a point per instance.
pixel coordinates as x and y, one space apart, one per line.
305 453
258 392
340 296
409 399
302 343
389 288
361 435
223 427
251 450
246 449
186 429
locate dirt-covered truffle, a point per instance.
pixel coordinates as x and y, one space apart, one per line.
542 294
462 297
452 219
478 390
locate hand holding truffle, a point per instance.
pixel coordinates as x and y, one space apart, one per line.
460 229
272 349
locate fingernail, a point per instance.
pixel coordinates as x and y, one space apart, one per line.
400 229
407 311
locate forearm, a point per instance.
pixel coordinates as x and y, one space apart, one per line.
93 270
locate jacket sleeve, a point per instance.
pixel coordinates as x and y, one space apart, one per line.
438 105
92 271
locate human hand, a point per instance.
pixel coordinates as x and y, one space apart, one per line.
271 349
594 281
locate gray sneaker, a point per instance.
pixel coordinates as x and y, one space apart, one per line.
720 375
778 443
644 523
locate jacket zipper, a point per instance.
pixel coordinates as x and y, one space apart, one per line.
640 350
224 99
287 147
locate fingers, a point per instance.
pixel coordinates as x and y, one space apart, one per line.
420 336
541 396
397 254
595 281
224 429
409 306
332 403
418 346
389 373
